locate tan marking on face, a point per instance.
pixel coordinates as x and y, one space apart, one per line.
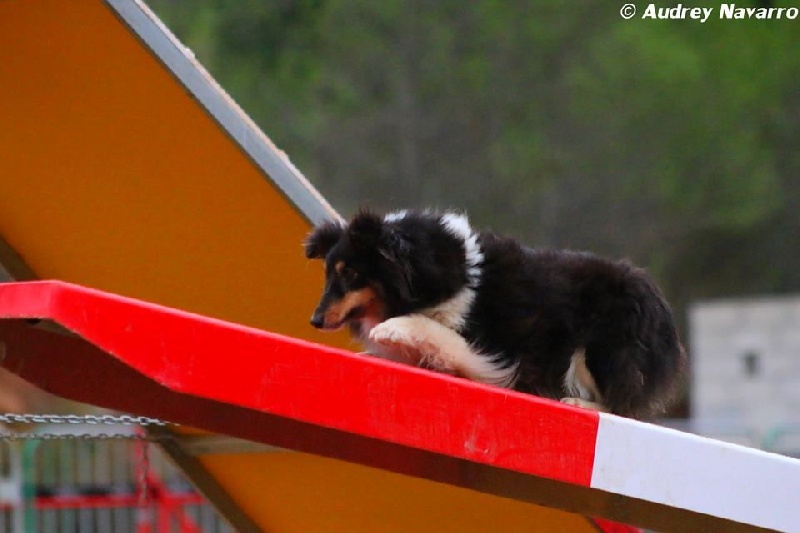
375 309
366 298
338 267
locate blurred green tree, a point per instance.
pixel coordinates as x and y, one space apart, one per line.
670 142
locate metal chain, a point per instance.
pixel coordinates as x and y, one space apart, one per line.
77 436
10 418
53 419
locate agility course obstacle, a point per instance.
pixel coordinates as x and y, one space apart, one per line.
128 171
294 394
298 395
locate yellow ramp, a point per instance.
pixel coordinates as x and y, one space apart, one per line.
126 168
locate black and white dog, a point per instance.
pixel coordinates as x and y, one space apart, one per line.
424 288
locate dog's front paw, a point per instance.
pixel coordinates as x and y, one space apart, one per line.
399 330
416 338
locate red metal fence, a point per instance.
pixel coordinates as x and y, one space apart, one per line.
97 483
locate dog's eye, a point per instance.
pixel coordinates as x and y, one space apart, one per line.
349 275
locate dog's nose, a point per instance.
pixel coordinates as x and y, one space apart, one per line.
317 320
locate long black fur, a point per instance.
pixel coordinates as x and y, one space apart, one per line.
533 308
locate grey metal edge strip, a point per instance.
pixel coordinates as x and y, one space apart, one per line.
182 63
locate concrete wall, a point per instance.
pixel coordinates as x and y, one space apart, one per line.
745 357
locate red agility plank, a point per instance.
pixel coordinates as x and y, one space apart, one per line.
319 385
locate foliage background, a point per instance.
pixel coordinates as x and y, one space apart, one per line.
673 143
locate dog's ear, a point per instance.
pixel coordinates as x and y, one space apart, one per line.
322 238
369 231
365 229
395 248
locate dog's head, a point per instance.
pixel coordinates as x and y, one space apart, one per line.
366 271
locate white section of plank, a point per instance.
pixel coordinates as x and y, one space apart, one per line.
695 473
